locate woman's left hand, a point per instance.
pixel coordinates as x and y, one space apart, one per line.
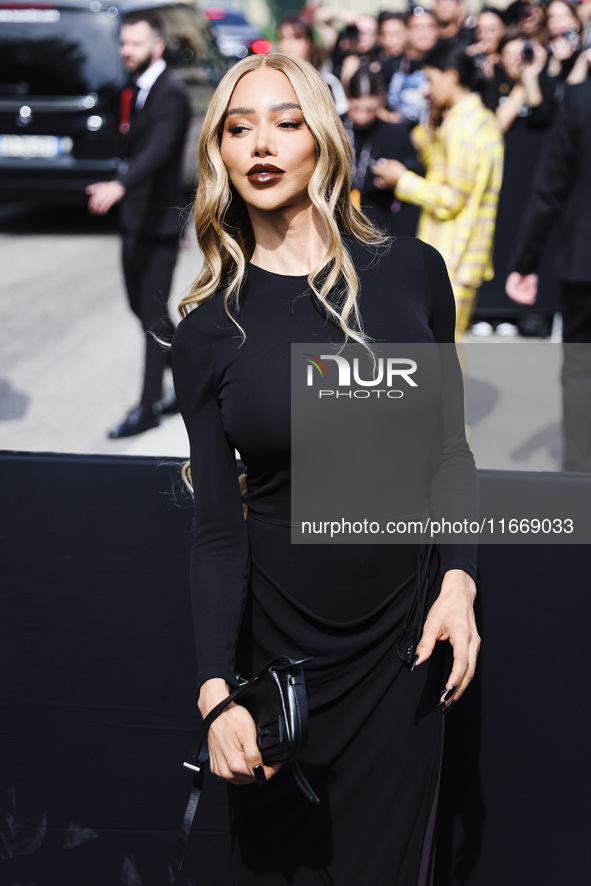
451 617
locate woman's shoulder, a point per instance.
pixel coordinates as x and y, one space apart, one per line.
200 334
393 255
206 320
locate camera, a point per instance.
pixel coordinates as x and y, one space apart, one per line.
573 39
528 52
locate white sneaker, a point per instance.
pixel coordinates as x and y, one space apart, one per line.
507 330
481 329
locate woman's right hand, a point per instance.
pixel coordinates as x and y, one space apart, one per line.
232 738
533 70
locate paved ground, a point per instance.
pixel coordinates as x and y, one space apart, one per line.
71 353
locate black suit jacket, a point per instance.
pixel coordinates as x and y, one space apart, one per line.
153 152
562 188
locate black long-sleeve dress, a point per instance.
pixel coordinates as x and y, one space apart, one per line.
375 738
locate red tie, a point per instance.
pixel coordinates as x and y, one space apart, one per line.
125 102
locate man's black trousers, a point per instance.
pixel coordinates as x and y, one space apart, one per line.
575 305
148 265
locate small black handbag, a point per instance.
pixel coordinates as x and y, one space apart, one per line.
276 700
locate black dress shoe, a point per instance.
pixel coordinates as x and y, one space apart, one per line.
167 407
138 420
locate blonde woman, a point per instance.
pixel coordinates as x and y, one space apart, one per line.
288 258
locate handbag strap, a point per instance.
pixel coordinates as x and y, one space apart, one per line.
194 797
199 756
303 784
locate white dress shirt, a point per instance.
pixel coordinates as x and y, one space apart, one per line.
146 80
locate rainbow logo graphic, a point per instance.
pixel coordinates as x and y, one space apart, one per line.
314 361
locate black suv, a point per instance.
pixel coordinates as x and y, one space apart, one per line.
61 84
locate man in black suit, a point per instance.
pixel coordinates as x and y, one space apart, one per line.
149 188
562 187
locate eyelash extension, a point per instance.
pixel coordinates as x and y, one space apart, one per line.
286 124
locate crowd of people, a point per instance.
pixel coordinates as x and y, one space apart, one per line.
447 115
526 53
478 123
387 75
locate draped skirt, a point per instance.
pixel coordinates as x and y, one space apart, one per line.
375 743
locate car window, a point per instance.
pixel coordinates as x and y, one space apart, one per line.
221 17
191 48
46 51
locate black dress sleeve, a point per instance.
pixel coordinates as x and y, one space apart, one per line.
453 492
220 551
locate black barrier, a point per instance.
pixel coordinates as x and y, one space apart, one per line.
98 701
98 697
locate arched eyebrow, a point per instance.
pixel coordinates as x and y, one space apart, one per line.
274 109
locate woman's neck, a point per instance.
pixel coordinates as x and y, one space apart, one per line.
288 242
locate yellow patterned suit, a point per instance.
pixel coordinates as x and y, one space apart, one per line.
463 160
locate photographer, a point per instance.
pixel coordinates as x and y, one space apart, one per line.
563 27
357 46
490 30
521 95
520 90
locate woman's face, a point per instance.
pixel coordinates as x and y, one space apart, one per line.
512 58
291 43
559 19
268 150
489 31
364 111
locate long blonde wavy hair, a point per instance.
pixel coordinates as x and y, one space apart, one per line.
222 224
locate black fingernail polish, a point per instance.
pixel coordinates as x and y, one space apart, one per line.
259 774
449 693
441 703
446 708
414 662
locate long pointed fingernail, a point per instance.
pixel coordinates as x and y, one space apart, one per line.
259 774
446 708
449 693
414 662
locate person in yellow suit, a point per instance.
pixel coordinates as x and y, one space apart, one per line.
462 150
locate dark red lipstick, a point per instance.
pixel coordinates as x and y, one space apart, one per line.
265 173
